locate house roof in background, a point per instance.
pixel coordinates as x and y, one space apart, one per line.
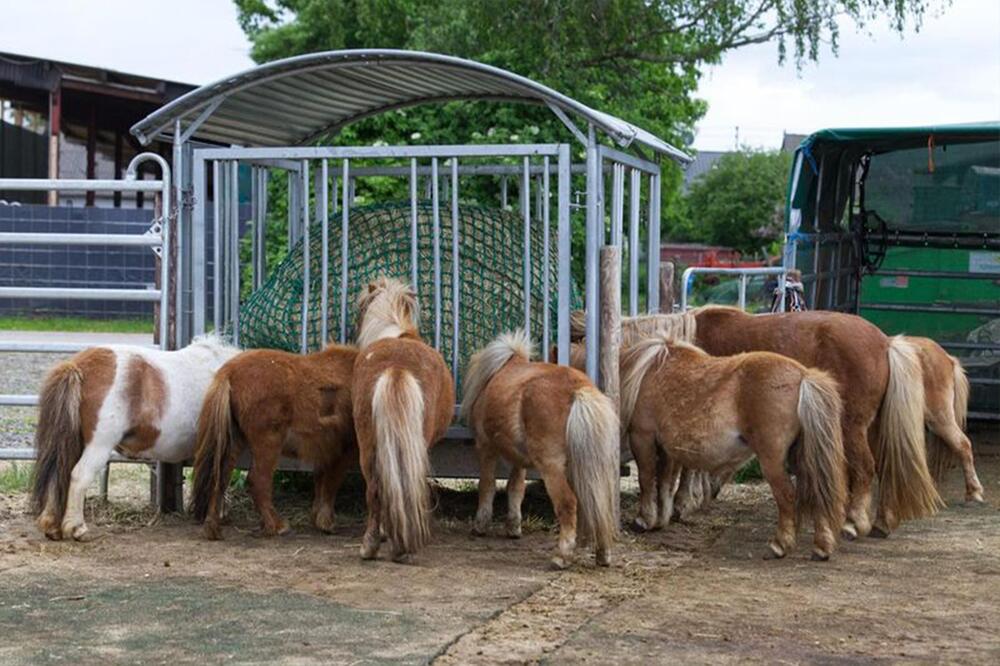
703 161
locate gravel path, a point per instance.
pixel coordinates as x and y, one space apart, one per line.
21 374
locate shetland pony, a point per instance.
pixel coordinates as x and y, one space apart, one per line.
273 403
946 402
881 387
403 398
139 401
715 413
552 418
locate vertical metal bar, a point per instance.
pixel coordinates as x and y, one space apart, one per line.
591 258
634 192
653 258
216 247
414 247
617 202
345 223
254 221
563 257
814 288
262 231
198 245
292 210
503 192
305 255
234 238
323 212
743 291
526 212
435 198
456 285
179 241
546 260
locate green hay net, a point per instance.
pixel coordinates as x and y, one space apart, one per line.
491 265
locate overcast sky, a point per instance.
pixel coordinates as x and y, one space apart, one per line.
949 72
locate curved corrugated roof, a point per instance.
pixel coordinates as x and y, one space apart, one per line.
295 100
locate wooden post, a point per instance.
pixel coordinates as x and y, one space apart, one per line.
667 287
611 321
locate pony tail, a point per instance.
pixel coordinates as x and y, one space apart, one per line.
820 463
401 461
592 435
58 443
906 487
214 455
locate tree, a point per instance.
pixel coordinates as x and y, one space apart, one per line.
739 202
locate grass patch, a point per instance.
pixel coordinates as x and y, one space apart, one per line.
749 472
15 477
76 325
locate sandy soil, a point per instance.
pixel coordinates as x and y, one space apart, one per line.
694 593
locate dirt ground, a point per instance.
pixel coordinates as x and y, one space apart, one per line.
693 593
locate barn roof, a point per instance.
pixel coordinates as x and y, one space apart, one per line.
296 100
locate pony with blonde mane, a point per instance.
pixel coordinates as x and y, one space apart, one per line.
881 385
274 403
946 403
551 418
140 401
403 397
681 408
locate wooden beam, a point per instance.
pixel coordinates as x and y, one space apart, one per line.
611 321
667 287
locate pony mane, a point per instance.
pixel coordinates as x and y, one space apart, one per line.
681 326
636 359
387 308
486 362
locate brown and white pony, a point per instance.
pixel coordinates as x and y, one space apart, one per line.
881 387
682 408
403 400
274 403
139 401
946 402
551 418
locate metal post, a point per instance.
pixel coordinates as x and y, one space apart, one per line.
435 197
503 192
305 255
526 212
546 259
456 285
261 240
594 236
323 213
234 249
345 223
743 291
634 191
653 258
198 245
414 247
563 257
617 202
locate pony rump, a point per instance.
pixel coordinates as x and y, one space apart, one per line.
387 308
401 461
820 463
592 437
58 439
905 482
488 361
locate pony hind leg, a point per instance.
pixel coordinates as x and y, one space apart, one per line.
266 451
959 443
372 538
515 496
328 482
667 478
487 490
564 502
95 457
644 452
861 474
773 468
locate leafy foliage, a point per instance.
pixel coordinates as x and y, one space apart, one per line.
739 202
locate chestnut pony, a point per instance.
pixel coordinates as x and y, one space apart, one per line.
403 399
272 403
552 418
139 401
881 387
946 402
684 408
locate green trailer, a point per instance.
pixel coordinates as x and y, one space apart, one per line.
902 226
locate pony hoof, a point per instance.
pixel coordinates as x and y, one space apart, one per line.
513 533
603 558
369 551
479 531
849 532
975 500
819 557
639 526
212 532
76 532
774 552
878 532
559 562
50 528
402 558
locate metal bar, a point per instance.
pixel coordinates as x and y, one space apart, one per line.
200 200
345 221
30 453
594 236
653 252
456 286
813 290
984 381
948 275
950 309
526 213
983 416
323 213
546 262
80 185
82 293
234 240
984 346
216 247
15 347
691 271
414 247
262 231
180 279
617 203
15 400
404 171
503 192
128 240
570 125
254 221
366 152
435 194
743 292
634 191
305 256
563 257
608 153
